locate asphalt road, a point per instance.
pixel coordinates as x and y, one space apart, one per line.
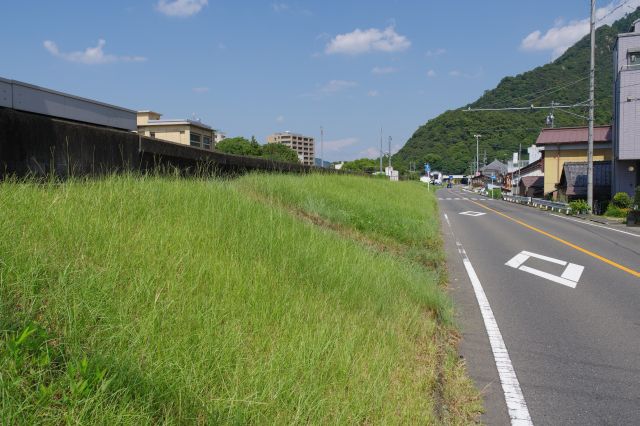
572 332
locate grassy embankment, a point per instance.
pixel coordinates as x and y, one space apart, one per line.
160 300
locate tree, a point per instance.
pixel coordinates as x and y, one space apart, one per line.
366 165
279 152
240 146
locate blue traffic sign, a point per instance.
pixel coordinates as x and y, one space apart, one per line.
427 167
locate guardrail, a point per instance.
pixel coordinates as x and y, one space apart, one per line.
538 202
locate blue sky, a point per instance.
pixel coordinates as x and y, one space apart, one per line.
255 67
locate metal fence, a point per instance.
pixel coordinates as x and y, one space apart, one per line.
538 202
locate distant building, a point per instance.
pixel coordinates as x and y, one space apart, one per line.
569 144
183 131
626 115
304 146
497 169
220 136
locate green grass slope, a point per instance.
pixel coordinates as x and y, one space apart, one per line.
157 300
447 142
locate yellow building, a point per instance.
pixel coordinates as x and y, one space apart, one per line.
570 144
183 131
304 146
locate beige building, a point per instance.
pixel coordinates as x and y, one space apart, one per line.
186 132
569 145
303 145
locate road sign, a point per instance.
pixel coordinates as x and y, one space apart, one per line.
569 277
427 167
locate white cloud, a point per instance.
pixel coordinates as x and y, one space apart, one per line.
91 55
200 89
181 8
337 86
383 70
373 93
431 73
373 39
339 144
458 73
563 35
436 52
370 153
279 7
374 152
280 119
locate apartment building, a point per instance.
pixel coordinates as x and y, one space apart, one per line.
304 146
183 131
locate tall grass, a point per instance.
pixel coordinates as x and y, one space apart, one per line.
162 300
396 214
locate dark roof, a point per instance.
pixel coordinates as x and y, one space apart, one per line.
495 165
574 177
532 181
564 135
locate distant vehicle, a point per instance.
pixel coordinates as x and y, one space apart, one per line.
464 181
449 185
436 178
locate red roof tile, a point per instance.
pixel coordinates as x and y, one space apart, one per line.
573 135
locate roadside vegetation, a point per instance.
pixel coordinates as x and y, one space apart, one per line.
269 299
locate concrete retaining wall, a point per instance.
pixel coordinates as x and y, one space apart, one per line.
32 144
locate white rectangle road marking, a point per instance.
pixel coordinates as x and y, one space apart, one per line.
573 272
541 257
548 276
518 260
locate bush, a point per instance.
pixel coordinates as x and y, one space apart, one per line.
621 200
636 200
579 206
494 193
614 211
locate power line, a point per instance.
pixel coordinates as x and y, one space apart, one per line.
613 10
543 92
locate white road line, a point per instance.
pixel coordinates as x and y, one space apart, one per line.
516 405
596 225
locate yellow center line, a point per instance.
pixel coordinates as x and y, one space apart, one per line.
585 251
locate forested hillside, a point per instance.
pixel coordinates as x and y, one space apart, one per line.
447 141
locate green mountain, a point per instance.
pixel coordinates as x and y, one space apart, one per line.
447 141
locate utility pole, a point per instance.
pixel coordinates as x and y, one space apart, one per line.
321 147
477 152
592 73
389 154
381 150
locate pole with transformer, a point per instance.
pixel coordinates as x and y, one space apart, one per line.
321 147
477 152
591 106
381 154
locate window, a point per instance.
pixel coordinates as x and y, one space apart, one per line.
195 139
634 59
206 142
152 134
